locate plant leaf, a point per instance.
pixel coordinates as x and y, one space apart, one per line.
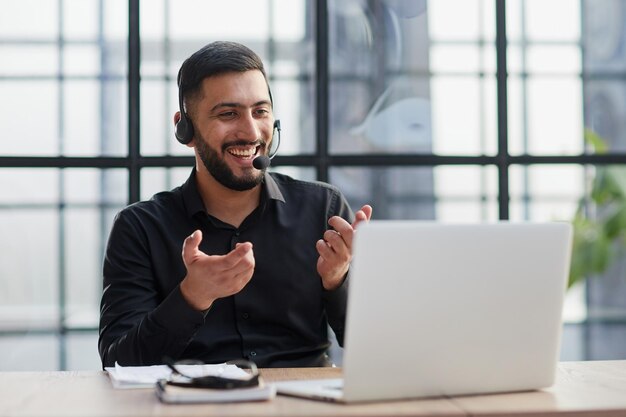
596 141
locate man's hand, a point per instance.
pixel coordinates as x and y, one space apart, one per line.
210 277
335 248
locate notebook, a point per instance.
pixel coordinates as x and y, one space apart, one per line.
449 309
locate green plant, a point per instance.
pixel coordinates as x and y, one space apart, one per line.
599 237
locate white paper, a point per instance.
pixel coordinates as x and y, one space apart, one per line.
147 376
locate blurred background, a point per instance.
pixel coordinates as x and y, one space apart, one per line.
447 110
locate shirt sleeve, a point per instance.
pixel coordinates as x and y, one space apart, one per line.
139 324
335 301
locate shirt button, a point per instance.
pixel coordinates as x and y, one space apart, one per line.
237 233
246 316
253 353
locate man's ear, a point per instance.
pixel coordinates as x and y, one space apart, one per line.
177 117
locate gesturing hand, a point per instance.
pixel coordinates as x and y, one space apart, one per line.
335 249
210 277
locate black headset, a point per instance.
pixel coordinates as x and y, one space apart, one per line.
184 127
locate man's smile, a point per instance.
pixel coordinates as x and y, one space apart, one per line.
244 152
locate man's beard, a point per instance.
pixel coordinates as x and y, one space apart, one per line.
218 168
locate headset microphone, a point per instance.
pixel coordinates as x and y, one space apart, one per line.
262 162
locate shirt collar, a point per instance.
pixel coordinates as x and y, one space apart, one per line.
193 201
271 189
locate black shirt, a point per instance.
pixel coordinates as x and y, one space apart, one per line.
280 317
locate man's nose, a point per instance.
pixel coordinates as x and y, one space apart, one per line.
249 127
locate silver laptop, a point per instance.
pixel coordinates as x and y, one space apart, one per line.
441 310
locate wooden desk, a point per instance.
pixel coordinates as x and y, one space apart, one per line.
582 389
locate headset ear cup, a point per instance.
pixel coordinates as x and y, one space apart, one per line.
184 131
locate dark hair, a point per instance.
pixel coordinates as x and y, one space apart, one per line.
214 59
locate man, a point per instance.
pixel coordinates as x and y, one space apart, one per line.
265 257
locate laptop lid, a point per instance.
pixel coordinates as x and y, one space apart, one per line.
448 309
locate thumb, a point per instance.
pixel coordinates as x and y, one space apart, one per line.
190 246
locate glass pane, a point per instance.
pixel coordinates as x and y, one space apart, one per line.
463 24
81 19
157 126
30 268
34 132
572 348
159 102
152 19
155 180
31 186
514 27
548 112
198 20
114 118
379 94
555 59
607 341
603 34
29 60
295 101
546 192
31 352
82 129
86 228
114 69
545 59
599 252
93 186
82 60
82 352
382 97
115 24
455 194
113 106
605 106
18 22
289 20
48 71
464 115
84 247
604 92
462 59
535 20
541 16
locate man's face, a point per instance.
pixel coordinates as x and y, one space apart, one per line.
233 124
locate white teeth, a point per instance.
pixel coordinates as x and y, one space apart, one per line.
242 153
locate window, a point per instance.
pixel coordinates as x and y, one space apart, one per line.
420 108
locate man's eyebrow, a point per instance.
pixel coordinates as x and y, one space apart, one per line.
231 105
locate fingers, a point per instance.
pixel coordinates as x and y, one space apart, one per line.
239 262
333 248
191 252
241 253
210 277
364 214
190 247
341 232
